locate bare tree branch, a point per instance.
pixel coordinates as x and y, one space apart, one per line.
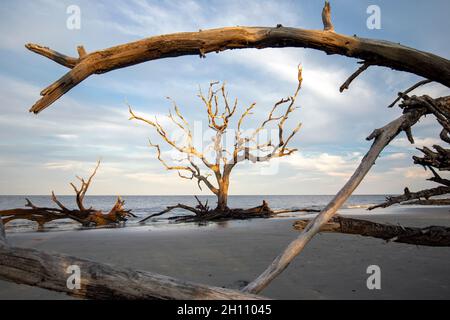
381 53
382 137
326 17
360 70
402 94
411 196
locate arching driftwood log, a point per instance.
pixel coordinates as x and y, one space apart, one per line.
372 52
99 280
85 216
434 236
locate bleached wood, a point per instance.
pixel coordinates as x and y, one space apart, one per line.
373 52
383 137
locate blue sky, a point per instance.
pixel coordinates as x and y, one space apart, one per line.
43 153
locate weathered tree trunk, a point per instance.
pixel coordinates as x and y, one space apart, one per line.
435 236
100 280
222 196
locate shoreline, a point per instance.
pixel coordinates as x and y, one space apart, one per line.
333 266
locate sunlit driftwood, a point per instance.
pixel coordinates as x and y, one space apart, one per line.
373 52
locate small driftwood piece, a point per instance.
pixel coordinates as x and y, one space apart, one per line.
408 195
434 236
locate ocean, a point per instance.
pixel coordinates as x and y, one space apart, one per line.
142 206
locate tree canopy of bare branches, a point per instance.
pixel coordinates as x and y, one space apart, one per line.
247 146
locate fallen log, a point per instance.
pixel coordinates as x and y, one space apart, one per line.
98 280
429 202
86 216
372 52
435 236
203 213
408 195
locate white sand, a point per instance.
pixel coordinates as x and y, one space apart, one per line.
333 266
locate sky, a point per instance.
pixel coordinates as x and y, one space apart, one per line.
44 152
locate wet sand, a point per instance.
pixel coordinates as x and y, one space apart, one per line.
333 266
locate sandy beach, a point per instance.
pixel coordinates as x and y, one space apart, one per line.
333 266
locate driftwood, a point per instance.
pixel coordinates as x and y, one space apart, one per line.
435 236
429 202
85 216
202 213
408 195
372 52
435 161
382 137
2 234
99 280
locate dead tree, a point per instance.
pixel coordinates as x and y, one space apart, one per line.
85 216
434 236
438 160
246 147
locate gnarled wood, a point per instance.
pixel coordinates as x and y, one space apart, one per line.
87 217
375 52
438 160
203 213
382 137
435 236
408 195
246 146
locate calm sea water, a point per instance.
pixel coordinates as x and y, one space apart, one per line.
145 205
